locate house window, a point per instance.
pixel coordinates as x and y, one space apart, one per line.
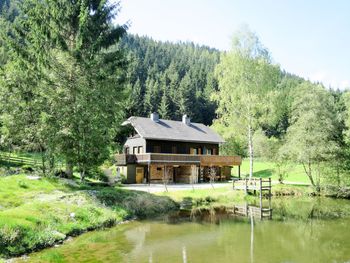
156 148
209 151
127 151
134 150
140 149
173 149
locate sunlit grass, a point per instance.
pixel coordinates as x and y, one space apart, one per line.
38 213
267 169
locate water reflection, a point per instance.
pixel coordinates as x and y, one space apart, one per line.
184 254
251 238
302 230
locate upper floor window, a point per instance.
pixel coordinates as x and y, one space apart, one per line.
140 150
173 149
156 149
135 150
209 151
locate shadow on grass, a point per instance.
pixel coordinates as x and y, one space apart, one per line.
263 173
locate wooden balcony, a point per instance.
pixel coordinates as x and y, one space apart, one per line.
178 159
218 160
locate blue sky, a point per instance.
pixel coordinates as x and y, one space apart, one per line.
306 37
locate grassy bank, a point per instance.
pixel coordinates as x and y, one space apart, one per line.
267 169
224 196
36 213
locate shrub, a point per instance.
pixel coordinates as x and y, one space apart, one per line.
27 168
98 174
61 173
22 184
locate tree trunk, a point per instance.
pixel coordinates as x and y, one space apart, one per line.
309 173
43 160
251 152
69 169
82 174
165 178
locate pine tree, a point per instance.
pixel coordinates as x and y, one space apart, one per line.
163 108
74 70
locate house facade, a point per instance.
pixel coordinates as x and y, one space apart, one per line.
170 151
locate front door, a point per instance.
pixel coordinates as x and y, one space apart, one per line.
139 175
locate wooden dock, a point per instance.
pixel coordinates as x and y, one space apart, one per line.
254 211
263 187
255 184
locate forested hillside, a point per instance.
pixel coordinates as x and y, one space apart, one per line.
66 93
170 78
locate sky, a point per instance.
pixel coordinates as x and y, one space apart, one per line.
308 38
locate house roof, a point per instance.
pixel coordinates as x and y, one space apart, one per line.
169 130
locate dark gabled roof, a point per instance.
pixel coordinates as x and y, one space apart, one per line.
173 130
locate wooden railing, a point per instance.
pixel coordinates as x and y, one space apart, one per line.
203 160
123 159
17 160
212 160
252 184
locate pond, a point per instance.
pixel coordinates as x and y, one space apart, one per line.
302 230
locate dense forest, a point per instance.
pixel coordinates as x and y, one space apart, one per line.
65 93
170 78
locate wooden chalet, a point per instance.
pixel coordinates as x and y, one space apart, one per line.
169 151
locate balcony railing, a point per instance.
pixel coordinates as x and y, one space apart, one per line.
162 158
220 160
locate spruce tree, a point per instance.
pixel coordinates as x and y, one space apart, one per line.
56 44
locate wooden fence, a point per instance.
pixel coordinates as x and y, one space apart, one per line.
7 158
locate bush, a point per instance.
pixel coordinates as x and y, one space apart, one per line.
22 184
27 168
98 174
61 174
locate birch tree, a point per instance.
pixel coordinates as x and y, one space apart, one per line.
245 76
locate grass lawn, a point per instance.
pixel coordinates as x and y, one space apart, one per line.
266 169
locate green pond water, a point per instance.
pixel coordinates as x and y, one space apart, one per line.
302 230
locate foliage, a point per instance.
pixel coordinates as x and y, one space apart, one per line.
79 74
98 174
170 78
310 137
245 76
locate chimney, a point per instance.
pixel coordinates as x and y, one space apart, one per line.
186 120
155 117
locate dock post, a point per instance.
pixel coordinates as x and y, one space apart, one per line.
261 215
